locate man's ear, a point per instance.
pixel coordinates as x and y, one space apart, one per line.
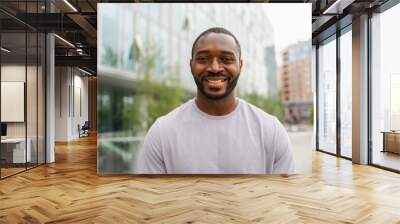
240 64
190 65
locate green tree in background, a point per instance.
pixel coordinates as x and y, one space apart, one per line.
311 116
270 105
110 57
103 110
133 111
159 96
131 115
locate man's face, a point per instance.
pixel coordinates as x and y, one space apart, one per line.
216 65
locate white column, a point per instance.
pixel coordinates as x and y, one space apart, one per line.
360 90
50 98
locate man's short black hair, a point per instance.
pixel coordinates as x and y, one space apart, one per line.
217 30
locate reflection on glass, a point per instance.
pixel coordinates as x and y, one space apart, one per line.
386 89
346 94
327 97
394 102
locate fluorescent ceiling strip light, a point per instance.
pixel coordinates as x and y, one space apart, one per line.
5 49
86 72
64 40
70 5
331 7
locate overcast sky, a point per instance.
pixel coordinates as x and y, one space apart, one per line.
291 23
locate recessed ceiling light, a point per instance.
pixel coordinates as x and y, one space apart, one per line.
86 72
5 50
64 40
70 5
338 6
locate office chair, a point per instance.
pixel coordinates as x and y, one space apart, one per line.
84 130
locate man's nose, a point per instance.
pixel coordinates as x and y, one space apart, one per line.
215 66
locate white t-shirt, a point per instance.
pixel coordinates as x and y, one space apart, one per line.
190 141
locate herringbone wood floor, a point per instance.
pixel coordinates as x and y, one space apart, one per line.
70 191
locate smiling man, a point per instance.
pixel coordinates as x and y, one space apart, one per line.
216 133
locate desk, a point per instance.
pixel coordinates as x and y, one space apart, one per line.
391 141
15 148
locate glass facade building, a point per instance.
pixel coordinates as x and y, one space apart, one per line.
295 83
167 31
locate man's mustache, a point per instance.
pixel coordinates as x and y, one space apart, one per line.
209 74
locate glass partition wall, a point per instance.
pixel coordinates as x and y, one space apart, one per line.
385 90
345 61
327 95
13 110
334 80
334 92
22 77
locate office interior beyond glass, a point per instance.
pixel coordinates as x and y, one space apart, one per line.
22 96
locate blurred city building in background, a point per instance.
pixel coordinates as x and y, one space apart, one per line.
296 83
270 61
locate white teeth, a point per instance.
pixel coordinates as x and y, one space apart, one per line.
215 81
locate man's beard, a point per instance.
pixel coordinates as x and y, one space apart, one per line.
231 84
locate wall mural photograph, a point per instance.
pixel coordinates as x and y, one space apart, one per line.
145 72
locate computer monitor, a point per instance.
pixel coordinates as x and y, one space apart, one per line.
3 129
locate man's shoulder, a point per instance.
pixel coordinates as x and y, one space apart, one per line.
258 112
176 114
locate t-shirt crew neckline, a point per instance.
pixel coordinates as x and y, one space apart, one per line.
204 114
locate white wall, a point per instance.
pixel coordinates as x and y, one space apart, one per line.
62 81
71 87
12 73
12 99
80 100
33 126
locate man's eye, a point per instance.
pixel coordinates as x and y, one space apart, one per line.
202 59
227 60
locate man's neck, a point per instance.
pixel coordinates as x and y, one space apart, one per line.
216 107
